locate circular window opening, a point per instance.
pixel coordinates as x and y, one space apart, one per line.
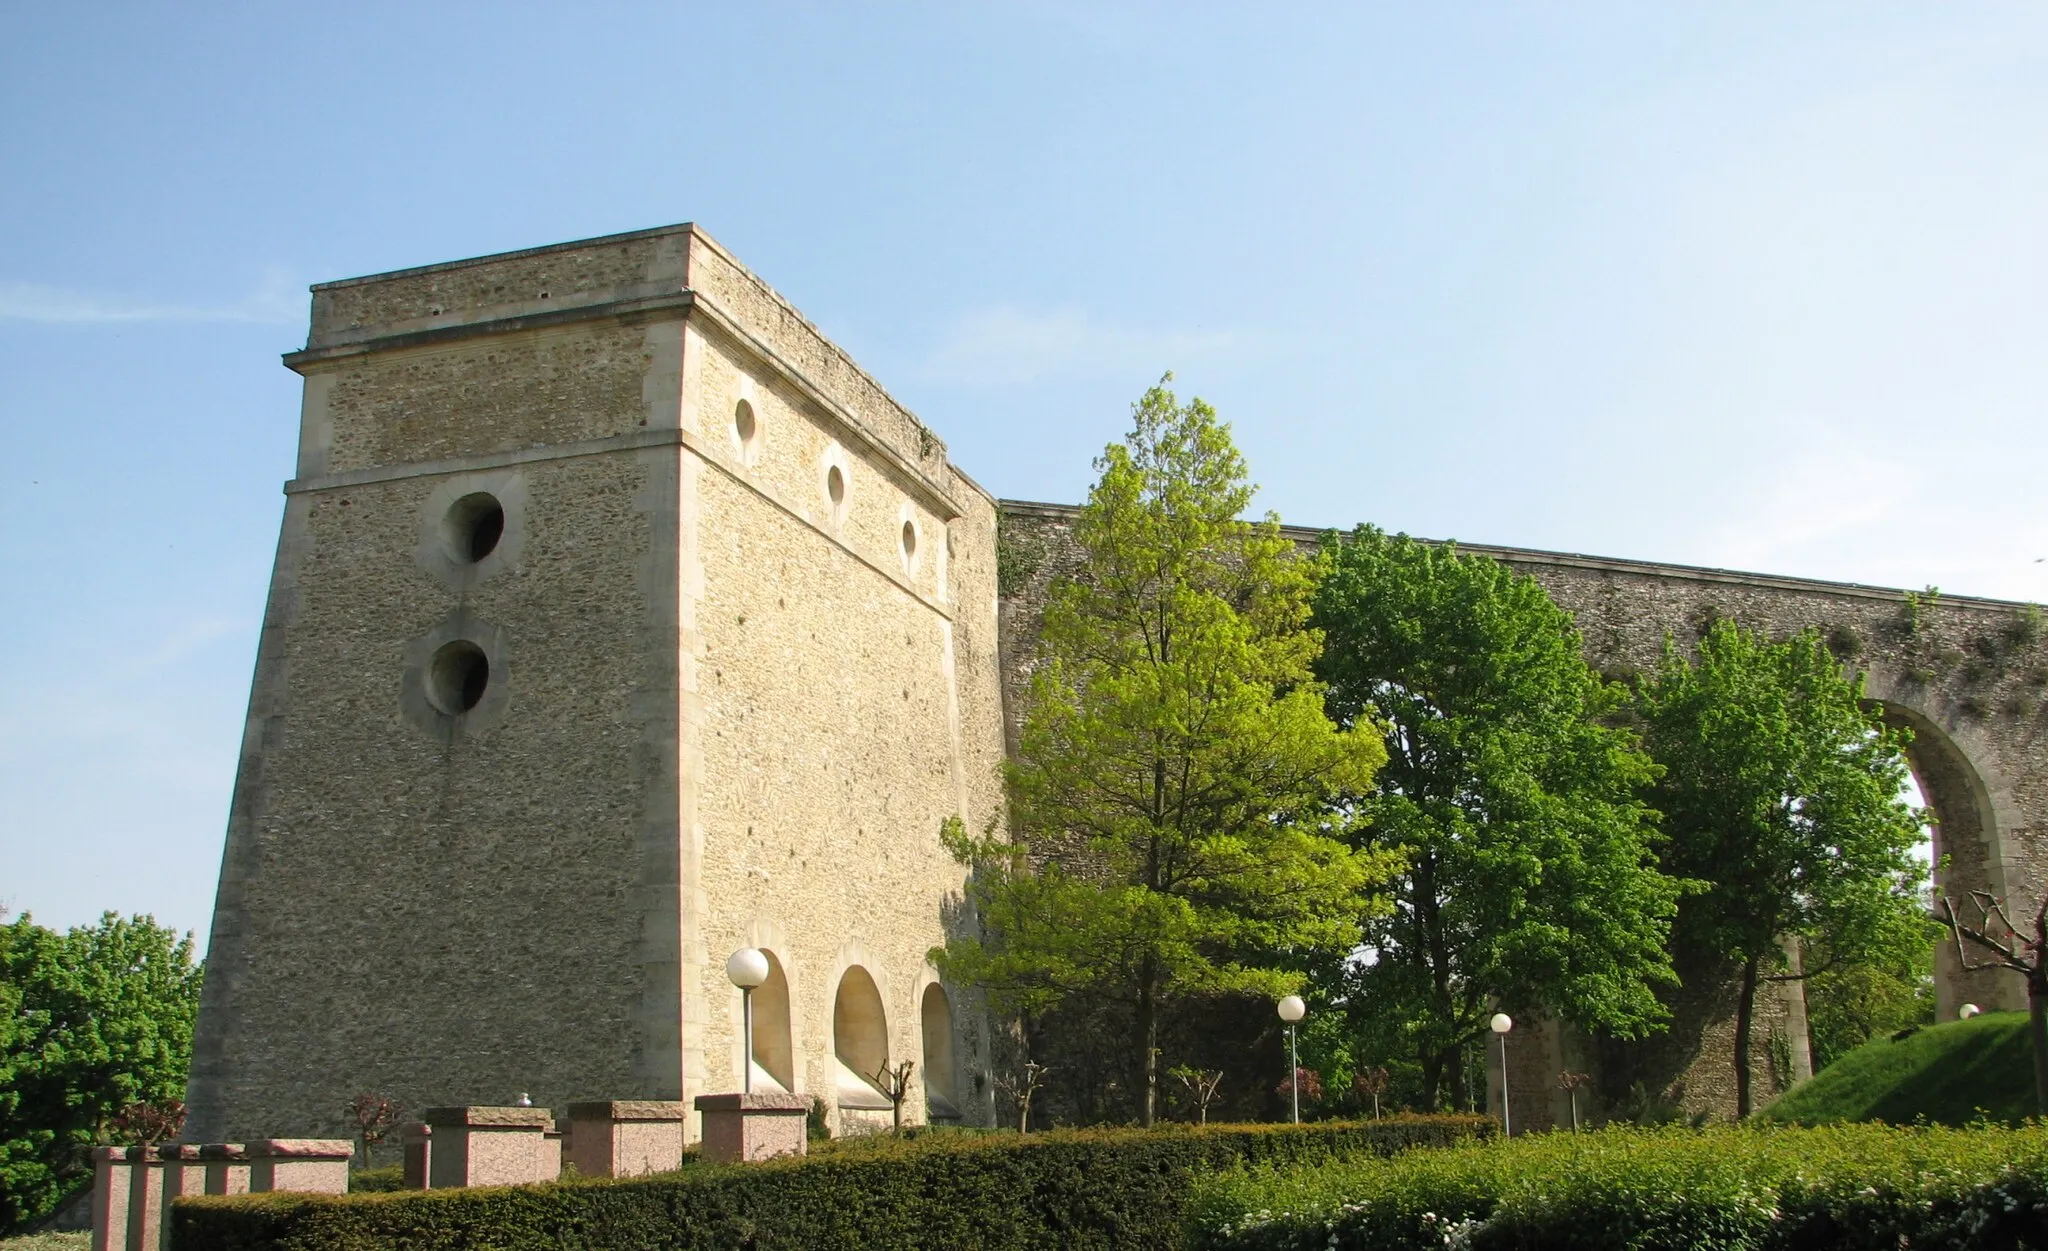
474 526
909 539
458 677
743 422
835 485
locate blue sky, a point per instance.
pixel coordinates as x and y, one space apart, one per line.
1752 285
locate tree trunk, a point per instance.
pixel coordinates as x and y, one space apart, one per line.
1148 1039
1432 1078
1745 1013
2037 1032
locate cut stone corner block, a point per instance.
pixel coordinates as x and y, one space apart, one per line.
753 1127
309 1165
626 1137
477 1145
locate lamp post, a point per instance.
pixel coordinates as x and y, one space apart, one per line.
1500 1025
1292 1009
746 969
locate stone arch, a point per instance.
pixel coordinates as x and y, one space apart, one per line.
860 1039
1973 814
941 1067
774 1058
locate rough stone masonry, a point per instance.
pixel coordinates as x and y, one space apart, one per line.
619 620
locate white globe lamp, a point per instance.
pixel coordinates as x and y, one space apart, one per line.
1500 1025
1292 1009
1967 1011
746 969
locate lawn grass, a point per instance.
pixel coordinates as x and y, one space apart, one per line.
1947 1074
48 1242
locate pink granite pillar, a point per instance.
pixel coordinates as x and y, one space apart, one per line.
145 1200
416 1140
491 1146
113 1177
314 1165
753 1127
227 1168
626 1137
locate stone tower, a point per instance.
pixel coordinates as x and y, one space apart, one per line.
619 620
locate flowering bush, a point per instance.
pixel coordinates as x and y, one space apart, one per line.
1728 1188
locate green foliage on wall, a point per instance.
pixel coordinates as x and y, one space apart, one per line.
91 1021
996 1192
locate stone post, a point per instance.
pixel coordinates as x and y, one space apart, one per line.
184 1172
227 1168
314 1165
145 1199
113 1180
416 1140
491 1146
758 1126
626 1137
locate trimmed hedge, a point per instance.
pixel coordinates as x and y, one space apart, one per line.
1738 1188
1082 1188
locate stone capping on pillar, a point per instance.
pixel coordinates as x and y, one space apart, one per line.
311 1165
626 1137
483 1145
740 1127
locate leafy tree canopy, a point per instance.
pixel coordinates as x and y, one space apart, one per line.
1781 792
1531 879
1173 784
91 1021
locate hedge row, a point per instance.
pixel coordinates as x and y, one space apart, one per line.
1087 1188
1739 1188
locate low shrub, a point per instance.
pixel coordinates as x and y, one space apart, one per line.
377 1180
1727 1188
1083 1188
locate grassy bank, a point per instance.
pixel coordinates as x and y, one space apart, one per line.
1947 1074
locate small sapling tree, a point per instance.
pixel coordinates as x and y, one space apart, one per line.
1201 1086
1371 1084
1990 930
374 1117
149 1123
894 1083
1021 1087
1571 1083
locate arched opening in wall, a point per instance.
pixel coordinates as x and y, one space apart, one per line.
860 1040
941 1076
457 677
472 527
773 1059
1963 853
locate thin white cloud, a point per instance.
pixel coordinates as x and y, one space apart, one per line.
274 301
1003 345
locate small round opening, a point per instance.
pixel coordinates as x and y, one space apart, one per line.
910 538
458 677
835 485
743 422
474 526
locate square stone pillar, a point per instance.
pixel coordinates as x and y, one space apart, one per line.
626 1137
753 1127
491 1146
113 1182
146 1201
184 1171
416 1141
227 1168
313 1165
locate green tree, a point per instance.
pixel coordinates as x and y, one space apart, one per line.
1531 880
1781 793
1171 789
1848 1003
91 1021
